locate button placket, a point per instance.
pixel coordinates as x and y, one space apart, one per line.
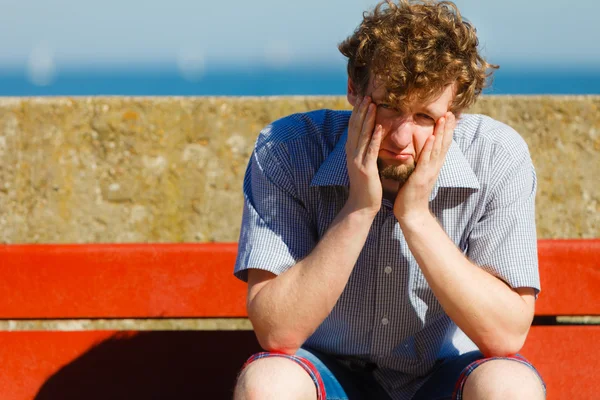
384 318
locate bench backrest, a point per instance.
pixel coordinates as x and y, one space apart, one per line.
196 280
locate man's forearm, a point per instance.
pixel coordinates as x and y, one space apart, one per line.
290 307
492 314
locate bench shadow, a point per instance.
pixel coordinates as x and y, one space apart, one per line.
155 365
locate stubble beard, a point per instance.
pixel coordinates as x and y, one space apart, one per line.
398 173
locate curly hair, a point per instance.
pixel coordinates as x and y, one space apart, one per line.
415 49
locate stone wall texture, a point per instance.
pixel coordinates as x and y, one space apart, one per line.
170 169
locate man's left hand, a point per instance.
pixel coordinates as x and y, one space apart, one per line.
412 200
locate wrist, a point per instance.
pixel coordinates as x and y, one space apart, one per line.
360 215
415 220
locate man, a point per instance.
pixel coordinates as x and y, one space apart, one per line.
390 252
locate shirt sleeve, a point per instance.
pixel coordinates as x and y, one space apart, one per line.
503 241
276 229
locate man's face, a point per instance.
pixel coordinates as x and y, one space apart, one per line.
405 131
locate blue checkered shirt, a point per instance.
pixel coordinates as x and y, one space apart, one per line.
297 182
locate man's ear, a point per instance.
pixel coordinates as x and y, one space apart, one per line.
352 93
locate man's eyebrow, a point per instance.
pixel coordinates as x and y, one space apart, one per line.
430 110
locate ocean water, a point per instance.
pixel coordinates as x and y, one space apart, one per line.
230 81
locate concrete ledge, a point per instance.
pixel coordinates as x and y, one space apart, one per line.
119 169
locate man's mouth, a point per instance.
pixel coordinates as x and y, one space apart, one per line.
396 156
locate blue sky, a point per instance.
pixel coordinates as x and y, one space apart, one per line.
197 34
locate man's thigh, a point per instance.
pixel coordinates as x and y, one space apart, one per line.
448 380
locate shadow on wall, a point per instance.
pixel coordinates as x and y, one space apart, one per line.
155 365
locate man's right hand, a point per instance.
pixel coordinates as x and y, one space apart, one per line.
362 150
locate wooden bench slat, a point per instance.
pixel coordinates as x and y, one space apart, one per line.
120 281
196 280
75 365
568 359
99 365
570 277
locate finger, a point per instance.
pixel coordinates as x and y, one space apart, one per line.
355 124
352 123
362 114
449 133
366 133
425 155
439 138
372 151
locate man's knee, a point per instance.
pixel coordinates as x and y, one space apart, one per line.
503 379
274 378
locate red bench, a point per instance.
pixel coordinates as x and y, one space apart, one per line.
158 281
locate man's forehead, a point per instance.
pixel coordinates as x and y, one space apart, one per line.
432 103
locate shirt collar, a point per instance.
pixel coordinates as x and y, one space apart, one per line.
456 171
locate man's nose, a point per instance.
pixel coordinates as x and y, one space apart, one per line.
401 133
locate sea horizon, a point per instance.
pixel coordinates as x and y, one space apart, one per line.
264 81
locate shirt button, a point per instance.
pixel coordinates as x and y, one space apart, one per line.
388 270
385 321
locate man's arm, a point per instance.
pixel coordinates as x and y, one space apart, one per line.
286 309
495 316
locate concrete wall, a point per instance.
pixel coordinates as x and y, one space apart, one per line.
168 169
